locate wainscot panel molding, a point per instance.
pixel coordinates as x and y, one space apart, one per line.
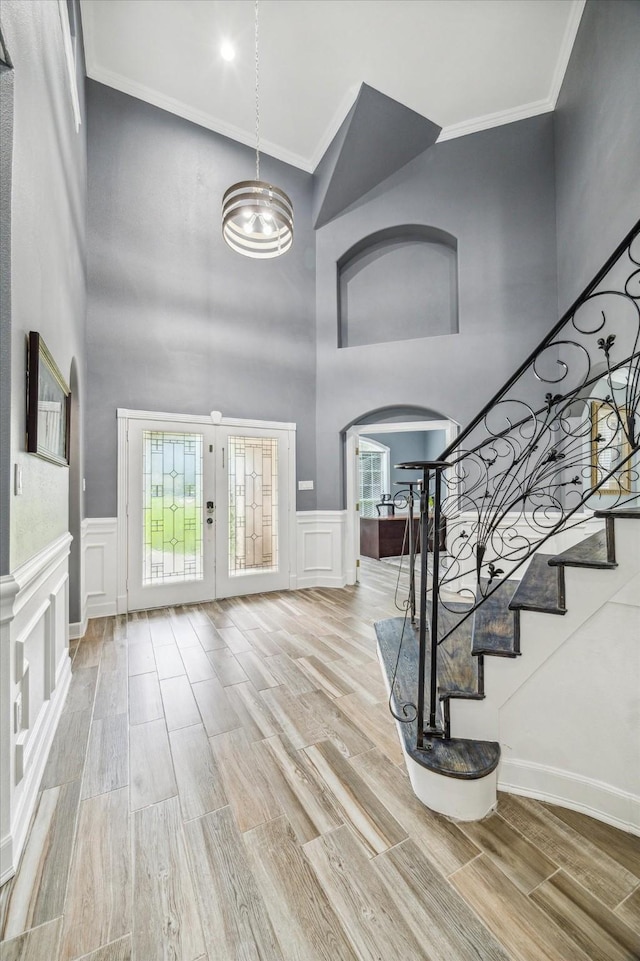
320 549
35 671
586 795
318 560
79 628
100 562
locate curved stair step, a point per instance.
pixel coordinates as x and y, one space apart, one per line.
457 757
591 552
541 588
452 757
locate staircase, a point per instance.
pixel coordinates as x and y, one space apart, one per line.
518 578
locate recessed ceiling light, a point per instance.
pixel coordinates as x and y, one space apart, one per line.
227 51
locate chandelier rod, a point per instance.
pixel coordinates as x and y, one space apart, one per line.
257 98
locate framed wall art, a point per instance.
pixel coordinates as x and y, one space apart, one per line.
609 447
48 404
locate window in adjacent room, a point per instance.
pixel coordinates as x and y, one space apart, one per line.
374 475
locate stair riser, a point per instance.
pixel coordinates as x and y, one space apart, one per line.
541 636
627 544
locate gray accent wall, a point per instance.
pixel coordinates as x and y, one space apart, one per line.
48 219
410 445
177 321
494 192
376 138
6 158
597 128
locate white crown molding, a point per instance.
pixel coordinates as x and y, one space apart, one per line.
497 119
566 48
308 164
333 126
201 117
70 62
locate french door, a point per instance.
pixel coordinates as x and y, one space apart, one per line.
207 511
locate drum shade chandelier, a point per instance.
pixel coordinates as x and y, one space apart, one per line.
257 218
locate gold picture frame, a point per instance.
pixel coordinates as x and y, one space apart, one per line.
48 404
608 446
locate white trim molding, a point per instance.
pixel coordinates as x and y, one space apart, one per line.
214 419
35 672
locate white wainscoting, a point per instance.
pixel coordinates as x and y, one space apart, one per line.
320 549
318 561
100 560
35 672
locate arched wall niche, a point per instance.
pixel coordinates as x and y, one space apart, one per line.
399 283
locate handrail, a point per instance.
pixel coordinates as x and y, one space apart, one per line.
589 289
535 451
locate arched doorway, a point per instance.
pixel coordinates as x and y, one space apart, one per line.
387 426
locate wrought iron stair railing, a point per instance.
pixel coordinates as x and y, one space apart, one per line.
559 440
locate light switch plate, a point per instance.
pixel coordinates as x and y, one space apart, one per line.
17 479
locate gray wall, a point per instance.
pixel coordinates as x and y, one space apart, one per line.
404 446
6 157
48 243
177 321
597 127
494 191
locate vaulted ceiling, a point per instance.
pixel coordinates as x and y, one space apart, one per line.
464 64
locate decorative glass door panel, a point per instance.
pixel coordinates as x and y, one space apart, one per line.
207 511
253 504
173 521
171 530
253 470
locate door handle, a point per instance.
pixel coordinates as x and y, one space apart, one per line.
209 520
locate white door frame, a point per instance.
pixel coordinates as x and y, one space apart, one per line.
352 546
215 418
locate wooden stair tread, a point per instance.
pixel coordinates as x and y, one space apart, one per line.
458 757
541 588
452 757
629 513
494 629
591 552
458 670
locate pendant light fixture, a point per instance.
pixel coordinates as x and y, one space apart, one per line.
257 218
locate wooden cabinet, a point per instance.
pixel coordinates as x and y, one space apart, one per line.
384 536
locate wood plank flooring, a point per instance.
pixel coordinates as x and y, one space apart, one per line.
226 784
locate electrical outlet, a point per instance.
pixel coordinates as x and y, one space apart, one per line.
17 708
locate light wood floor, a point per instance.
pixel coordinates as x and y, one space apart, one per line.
226 784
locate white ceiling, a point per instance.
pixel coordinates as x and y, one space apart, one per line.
465 64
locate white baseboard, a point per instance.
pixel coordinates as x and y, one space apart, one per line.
588 796
78 628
